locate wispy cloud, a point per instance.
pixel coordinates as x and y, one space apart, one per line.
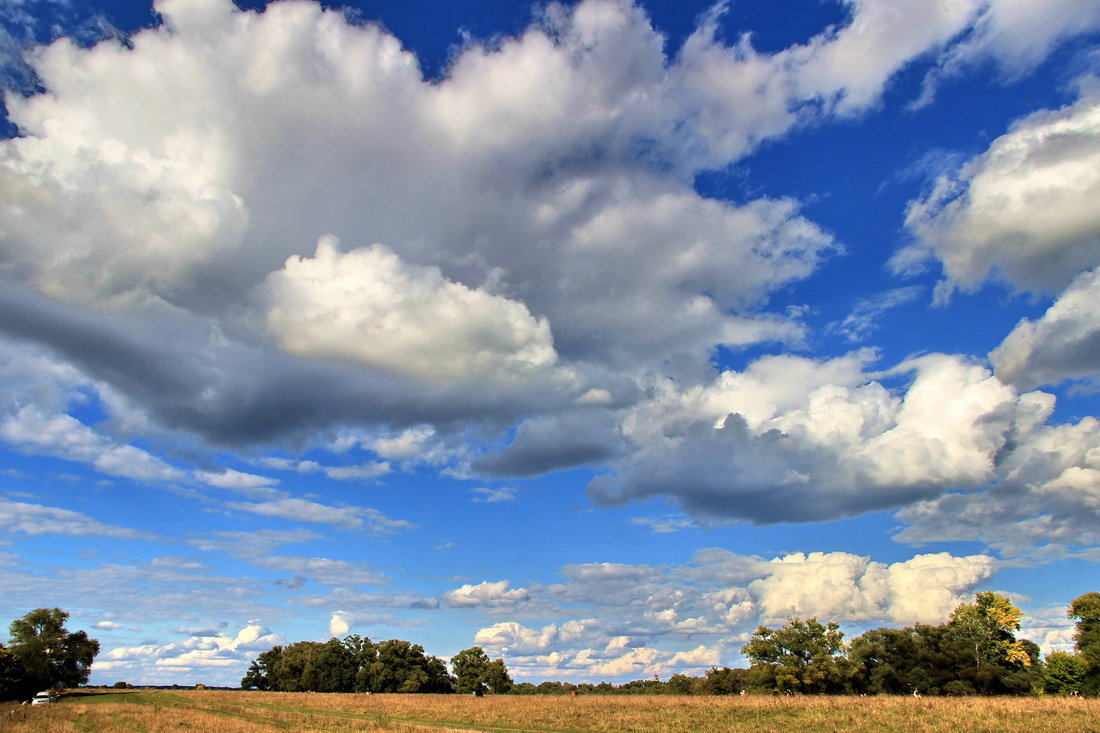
493 496
866 315
312 512
665 525
36 519
357 472
66 437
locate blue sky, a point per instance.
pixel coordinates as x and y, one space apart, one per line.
595 334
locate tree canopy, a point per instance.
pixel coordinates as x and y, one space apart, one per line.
802 656
1064 673
476 673
1086 609
975 652
42 654
354 664
989 624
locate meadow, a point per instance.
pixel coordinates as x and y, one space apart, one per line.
245 712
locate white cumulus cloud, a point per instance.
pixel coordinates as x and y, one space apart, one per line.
791 437
1023 210
486 593
368 306
1063 344
840 585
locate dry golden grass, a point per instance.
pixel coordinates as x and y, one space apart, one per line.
245 712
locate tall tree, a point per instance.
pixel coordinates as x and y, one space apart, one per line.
989 625
679 684
726 681
404 667
259 674
803 656
942 663
13 677
1086 609
364 654
469 668
886 661
476 673
334 668
1064 673
497 677
51 656
295 670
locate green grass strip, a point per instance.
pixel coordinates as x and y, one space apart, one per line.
171 700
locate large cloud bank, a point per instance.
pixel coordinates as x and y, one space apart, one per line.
246 227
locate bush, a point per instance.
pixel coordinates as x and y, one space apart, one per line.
958 688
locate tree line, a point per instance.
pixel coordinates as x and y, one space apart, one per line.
42 654
975 652
356 664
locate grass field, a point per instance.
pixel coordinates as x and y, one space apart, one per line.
241 712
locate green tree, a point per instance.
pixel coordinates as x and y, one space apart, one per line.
725 681
354 664
941 663
497 677
802 656
334 668
1064 673
1023 678
14 684
679 684
989 625
1086 609
258 676
50 655
476 673
404 667
936 660
469 669
296 670
364 654
884 661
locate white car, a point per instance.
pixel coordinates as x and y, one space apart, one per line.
42 698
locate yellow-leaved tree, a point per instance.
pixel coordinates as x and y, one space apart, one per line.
990 624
